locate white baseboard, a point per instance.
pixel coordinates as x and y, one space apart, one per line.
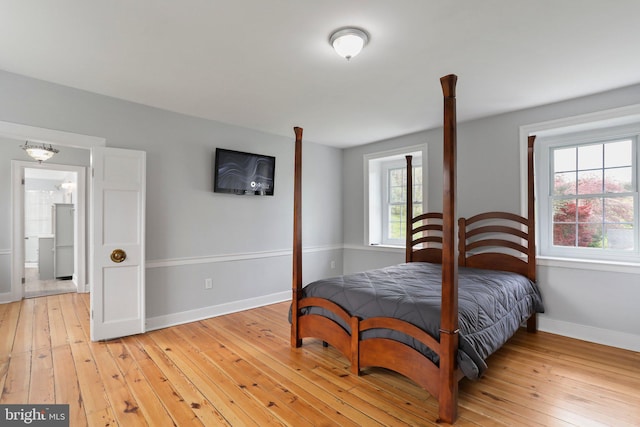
589 333
173 319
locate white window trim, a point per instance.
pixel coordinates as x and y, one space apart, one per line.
372 237
621 117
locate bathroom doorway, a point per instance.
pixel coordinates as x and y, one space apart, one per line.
50 220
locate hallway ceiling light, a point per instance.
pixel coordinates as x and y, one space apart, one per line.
348 42
39 152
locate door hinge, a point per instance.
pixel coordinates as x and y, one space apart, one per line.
22 181
92 314
23 281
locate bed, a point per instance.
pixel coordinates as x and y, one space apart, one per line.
467 285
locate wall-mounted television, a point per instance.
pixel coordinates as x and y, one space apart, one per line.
237 172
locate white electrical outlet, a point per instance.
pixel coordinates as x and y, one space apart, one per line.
333 265
208 283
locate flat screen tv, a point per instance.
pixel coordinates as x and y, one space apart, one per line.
237 172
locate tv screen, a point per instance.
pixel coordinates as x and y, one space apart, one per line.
237 172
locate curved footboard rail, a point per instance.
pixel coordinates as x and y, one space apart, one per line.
397 356
321 326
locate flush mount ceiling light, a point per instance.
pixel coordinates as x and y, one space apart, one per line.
39 152
348 42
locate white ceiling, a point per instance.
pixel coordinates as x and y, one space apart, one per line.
267 64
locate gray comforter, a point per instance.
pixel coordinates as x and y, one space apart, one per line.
492 305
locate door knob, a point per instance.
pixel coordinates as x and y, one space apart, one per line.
118 255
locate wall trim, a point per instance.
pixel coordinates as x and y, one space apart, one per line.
375 248
176 262
608 337
195 315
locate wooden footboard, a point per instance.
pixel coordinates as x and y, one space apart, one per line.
373 352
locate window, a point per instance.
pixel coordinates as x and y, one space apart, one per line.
386 174
395 206
590 204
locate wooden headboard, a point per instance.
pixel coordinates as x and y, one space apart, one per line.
491 240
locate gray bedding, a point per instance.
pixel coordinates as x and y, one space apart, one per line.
492 305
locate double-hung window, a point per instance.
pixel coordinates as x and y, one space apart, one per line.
386 174
590 205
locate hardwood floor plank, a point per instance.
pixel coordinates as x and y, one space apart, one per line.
24 329
177 407
8 325
123 404
67 388
179 377
41 386
151 408
57 328
97 407
16 385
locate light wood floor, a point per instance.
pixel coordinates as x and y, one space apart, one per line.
240 370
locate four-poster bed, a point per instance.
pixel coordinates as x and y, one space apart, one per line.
459 296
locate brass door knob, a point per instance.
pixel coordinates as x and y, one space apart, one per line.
118 255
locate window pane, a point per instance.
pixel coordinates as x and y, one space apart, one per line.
564 234
619 236
417 175
397 195
396 177
590 235
590 157
590 210
618 180
618 209
590 182
564 159
617 154
564 183
396 222
564 210
417 194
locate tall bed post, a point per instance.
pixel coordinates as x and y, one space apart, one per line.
297 239
409 213
532 322
448 399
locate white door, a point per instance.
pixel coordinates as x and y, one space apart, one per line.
117 243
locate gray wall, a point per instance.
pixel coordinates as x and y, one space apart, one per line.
589 302
242 242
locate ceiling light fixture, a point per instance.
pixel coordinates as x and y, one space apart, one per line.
348 42
39 152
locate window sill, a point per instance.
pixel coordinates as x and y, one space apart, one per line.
582 264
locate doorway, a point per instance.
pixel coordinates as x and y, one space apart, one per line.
49 258
50 222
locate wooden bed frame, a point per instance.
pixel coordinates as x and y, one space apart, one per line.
431 237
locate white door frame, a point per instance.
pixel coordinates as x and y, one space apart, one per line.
20 133
80 226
